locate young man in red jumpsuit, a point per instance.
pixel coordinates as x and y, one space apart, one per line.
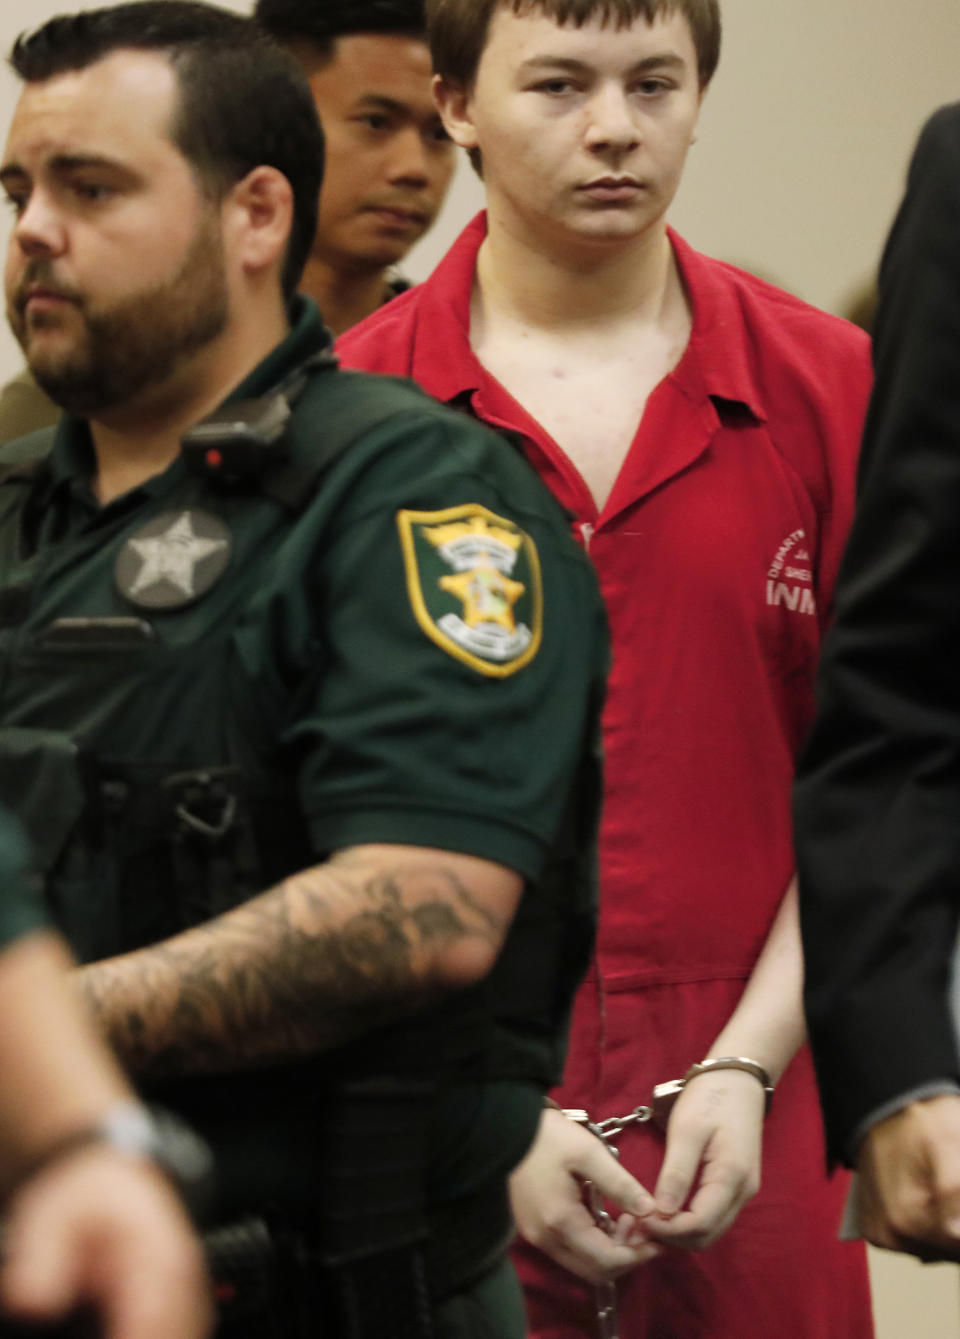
701 427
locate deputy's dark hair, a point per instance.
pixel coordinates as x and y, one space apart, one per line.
318 23
458 28
243 101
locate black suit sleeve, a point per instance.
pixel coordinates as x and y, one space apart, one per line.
878 794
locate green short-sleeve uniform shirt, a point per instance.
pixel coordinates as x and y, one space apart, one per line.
401 643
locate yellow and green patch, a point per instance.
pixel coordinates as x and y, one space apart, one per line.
475 587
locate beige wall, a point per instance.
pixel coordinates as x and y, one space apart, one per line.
803 146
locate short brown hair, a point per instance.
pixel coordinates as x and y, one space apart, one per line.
457 29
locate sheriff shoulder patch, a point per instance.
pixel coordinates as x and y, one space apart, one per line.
475 586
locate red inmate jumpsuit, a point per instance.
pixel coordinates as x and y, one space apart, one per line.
717 552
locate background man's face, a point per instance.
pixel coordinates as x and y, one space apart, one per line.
583 131
388 159
115 267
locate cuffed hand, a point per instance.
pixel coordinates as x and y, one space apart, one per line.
713 1152
547 1194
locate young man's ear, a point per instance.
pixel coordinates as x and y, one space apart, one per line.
258 216
452 101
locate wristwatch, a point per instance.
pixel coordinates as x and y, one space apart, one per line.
149 1132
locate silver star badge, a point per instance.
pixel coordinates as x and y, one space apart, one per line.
173 559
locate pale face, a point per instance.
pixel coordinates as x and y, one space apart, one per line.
388 160
583 131
114 272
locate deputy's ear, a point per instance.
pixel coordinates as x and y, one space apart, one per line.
453 103
258 216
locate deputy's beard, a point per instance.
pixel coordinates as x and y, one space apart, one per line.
137 342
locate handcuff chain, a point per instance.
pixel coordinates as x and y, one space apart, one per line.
607 1130
613 1125
605 1294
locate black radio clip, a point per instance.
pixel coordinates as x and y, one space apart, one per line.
243 438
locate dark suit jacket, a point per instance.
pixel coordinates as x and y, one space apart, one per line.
878 795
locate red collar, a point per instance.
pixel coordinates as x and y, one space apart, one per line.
716 363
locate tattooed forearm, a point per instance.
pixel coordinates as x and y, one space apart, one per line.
330 953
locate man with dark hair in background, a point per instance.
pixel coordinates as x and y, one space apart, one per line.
701 427
298 686
389 159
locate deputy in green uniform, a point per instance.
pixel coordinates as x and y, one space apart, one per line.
298 685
